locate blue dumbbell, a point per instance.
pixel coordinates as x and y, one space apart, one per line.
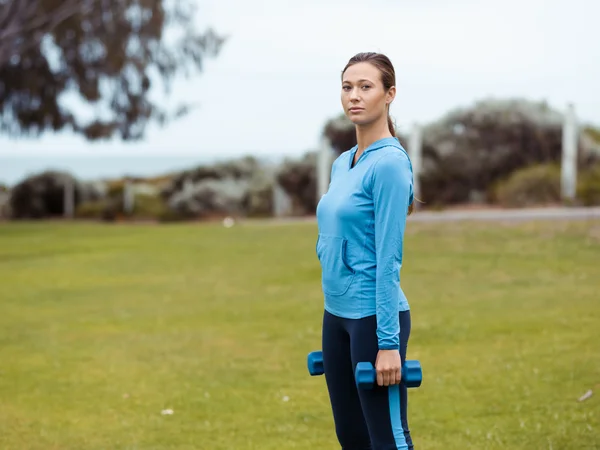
315 363
366 376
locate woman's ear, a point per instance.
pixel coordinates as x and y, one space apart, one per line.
391 95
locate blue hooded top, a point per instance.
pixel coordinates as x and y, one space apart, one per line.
361 222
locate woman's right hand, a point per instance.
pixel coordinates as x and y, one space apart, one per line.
388 367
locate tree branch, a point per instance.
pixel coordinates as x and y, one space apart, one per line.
23 24
108 51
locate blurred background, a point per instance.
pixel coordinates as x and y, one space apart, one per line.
233 101
120 114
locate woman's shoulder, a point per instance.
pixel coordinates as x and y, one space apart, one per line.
345 154
342 158
391 158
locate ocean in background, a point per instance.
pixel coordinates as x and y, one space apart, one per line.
13 169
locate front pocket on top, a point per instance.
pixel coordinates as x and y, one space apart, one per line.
337 274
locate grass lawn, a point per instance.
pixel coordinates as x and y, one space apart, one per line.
104 327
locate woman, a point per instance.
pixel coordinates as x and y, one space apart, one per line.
361 221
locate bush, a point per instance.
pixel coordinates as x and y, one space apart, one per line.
258 201
470 148
535 185
298 178
588 186
5 212
42 195
149 207
145 206
237 187
106 209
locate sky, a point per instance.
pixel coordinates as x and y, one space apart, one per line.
277 79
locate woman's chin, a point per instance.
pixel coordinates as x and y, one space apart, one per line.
356 119
359 121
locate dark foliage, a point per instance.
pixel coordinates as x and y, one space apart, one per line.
42 195
299 180
109 53
470 149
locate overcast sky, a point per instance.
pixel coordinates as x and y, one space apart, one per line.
277 81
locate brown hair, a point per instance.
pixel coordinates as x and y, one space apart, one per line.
388 79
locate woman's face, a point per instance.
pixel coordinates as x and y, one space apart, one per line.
364 98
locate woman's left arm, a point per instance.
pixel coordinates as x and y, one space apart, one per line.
392 192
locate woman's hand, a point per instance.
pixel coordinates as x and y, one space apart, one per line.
388 367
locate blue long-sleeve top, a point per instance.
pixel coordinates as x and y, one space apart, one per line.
361 223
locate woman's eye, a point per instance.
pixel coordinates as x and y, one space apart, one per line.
366 87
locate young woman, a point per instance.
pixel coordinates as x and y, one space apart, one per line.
361 222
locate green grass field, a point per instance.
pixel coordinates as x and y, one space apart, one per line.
103 327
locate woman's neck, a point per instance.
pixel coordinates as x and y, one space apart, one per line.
368 134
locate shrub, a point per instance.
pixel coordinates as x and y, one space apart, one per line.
90 210
105 209
531 186
236 187
209 197
298 178
42 195
473 147
258 201
148 207
588 186
145 206
4 204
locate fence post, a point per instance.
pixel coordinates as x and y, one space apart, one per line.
128 197
324 157
569 155
188 187
415 149
69 198
282 204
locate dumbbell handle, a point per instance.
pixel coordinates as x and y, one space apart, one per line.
365 373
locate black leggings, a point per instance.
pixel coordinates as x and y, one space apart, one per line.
364 419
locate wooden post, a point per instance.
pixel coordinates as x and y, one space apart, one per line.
282 204
415 149
324 160
128 197
188 187
569 155
69 198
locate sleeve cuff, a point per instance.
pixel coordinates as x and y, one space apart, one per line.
389 346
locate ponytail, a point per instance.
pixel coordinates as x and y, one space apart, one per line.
391 126
392 129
